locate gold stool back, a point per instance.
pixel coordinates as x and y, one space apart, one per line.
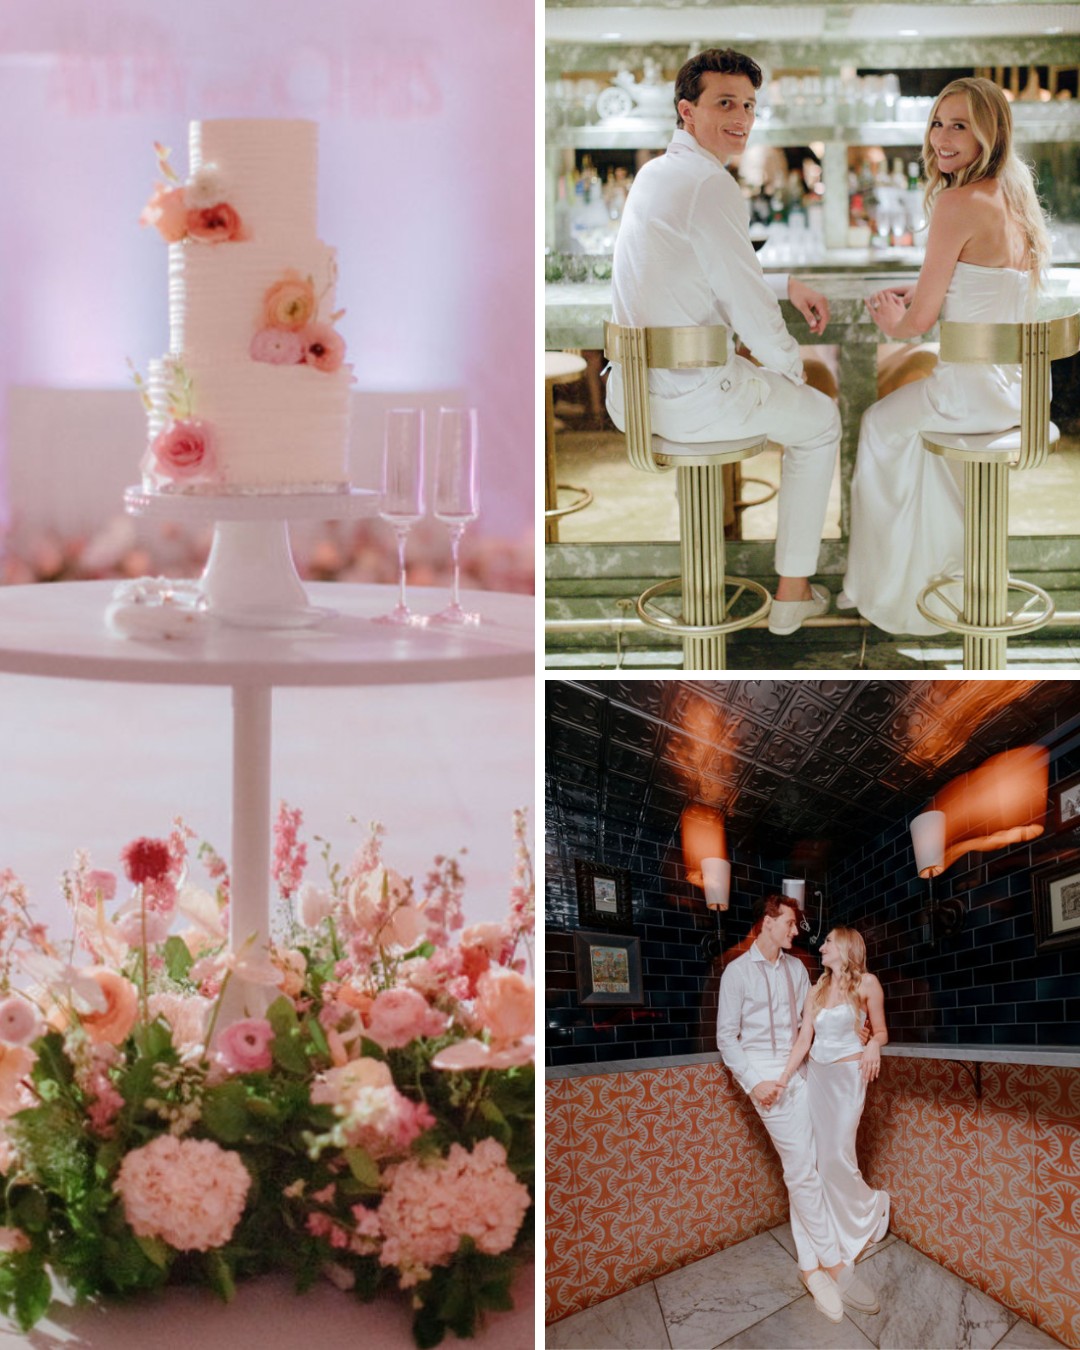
706 611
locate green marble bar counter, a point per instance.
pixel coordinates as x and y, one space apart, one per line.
1062 1057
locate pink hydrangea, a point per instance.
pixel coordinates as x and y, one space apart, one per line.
428 1209
244 1047
277 347
399 1016
188 1192
324 348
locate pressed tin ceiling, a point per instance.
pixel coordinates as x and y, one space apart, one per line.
826 764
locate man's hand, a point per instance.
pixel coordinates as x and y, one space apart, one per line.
766 1093
865 1031
811 304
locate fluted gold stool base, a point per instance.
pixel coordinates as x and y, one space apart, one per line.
706 619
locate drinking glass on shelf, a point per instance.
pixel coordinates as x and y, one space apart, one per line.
401 501
456 502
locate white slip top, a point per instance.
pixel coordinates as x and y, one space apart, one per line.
835 1036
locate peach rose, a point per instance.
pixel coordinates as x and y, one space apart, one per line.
289 303
216 224
505 1004
112 1024
185 450
168 212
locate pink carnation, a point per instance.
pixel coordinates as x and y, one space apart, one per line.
185 449
277 347
244 1047
188 1192
399 1016
428 1209
323 347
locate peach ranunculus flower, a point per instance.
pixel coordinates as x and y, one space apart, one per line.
290 303
505 1004
111 1024
167 210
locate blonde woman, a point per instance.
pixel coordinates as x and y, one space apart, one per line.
839 1070
984 254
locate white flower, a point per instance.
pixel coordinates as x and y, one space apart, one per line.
205 187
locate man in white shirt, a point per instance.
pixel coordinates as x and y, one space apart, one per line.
683 257
761 994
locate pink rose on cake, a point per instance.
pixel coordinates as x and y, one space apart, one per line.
168 211
290 303
277 347
215 224
323 347
185 450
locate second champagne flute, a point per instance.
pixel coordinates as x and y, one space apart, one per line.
401 502
456 501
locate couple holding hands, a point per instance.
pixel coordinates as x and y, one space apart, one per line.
683 257
812 1119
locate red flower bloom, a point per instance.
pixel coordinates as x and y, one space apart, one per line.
214 224
146 860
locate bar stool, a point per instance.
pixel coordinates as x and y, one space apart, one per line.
559 368
706 618
985 620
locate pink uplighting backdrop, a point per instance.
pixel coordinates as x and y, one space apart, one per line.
426 189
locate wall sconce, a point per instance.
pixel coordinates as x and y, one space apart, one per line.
795 890
716 878
928 841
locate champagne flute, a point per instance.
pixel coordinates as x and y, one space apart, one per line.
456 501
401 501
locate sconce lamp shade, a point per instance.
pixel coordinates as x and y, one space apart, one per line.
716 874
795 890
928 841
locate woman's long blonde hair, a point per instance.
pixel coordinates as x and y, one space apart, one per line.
991 123
853 950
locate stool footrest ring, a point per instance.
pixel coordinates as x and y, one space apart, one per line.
658 619
772 490
1015 622
583 500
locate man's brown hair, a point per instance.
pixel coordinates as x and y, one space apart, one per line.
723 61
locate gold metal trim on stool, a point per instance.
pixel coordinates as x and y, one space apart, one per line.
986 622
705 619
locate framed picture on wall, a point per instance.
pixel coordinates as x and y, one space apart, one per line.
608 969
1055 892
1065 803
603 896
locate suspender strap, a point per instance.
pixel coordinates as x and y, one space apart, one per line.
791 1002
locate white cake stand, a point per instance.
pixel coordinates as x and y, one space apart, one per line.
250 579
58 631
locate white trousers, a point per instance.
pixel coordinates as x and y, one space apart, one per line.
788 1124
836 1094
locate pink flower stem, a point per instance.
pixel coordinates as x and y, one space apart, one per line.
145 959
215 1014
477 1096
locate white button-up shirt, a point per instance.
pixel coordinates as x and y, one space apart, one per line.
743 1029
683 256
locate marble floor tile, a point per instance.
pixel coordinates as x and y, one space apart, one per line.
1024 1336
800 1325
712 1300
630 1321
923 1304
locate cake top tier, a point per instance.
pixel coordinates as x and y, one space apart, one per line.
268 170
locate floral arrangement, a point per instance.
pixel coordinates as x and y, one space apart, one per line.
184 450
290 332
194 210
374 1125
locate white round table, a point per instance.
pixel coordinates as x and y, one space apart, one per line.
59 631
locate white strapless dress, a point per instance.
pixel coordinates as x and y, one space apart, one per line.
836 1094
907 505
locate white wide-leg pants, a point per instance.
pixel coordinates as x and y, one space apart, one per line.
789 1127
836 1094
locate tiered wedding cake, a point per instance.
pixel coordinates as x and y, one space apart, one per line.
254 394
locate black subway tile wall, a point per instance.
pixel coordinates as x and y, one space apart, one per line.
985 983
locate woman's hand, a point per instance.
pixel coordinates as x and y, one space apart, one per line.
888 309
870 1062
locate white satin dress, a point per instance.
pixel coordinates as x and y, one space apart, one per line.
836 1093
907 505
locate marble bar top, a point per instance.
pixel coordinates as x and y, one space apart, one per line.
1056 1056
574 311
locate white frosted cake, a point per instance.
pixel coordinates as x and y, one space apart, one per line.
254 393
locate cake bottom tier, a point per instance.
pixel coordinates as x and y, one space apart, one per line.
260 428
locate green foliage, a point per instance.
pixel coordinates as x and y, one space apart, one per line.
456 1296
178 960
